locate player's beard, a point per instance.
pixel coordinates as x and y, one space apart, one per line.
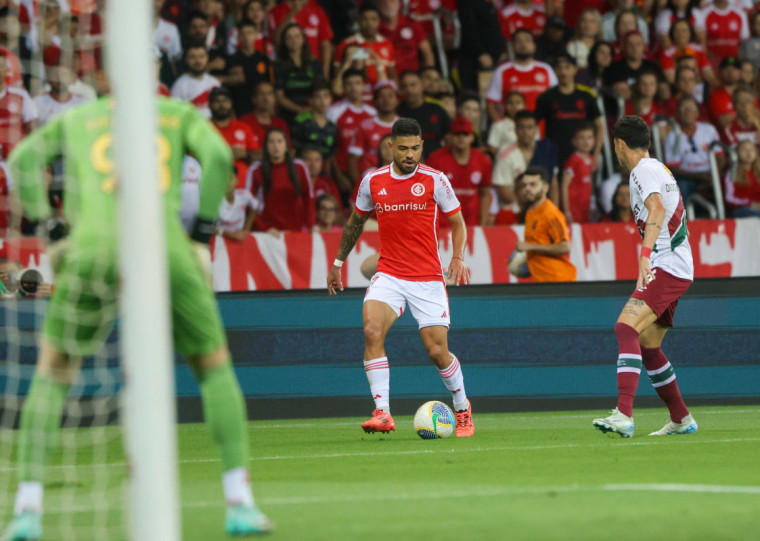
406 168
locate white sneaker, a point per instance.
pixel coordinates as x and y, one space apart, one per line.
688 426
616 422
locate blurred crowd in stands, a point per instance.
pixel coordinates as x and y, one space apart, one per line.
306 91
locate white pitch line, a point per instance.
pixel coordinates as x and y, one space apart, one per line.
679 440
711 489
639 413
480 492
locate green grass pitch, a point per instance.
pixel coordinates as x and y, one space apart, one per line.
539 476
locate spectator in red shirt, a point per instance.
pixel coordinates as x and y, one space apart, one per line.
362 154
263 117
17 112
348 114
746 125
726 26
577 175
743 188
282 186
522 14
10 44
719 104
408 37
237 134
468 170
525 75
369 50
312 19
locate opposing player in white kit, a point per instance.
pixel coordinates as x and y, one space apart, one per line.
407 196
666 270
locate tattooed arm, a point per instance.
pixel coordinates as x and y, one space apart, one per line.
351 234
655 222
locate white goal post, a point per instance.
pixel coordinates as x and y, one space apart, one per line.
149 401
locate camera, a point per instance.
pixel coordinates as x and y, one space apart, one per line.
29 281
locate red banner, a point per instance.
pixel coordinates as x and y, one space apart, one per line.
600 252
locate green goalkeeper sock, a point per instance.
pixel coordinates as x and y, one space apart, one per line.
224 410
40 426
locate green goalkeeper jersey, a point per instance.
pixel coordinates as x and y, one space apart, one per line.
84 137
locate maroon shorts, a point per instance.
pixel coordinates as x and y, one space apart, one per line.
662 294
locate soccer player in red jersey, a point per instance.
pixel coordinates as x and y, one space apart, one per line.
407 196
468 170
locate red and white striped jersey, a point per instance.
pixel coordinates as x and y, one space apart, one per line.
196 91
407 216
16 109
530 80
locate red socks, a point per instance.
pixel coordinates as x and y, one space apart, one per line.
628 366
663 379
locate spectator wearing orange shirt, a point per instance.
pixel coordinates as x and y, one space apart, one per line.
547 239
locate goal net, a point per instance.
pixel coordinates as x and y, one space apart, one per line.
97 484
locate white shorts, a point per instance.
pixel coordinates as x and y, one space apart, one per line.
428 301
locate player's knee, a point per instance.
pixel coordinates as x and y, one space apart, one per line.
623 331
373 333
438 352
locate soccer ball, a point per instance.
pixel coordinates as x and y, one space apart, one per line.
434 420
518 264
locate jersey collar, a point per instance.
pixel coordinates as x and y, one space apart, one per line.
403 177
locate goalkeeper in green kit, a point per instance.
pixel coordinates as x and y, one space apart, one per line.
83 308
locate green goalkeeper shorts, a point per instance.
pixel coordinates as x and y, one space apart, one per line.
83 307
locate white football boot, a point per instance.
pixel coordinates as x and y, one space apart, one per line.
616 422
687 426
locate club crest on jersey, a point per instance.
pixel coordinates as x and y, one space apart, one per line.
418 189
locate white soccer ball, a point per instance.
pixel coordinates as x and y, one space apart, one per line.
518 264
434 420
